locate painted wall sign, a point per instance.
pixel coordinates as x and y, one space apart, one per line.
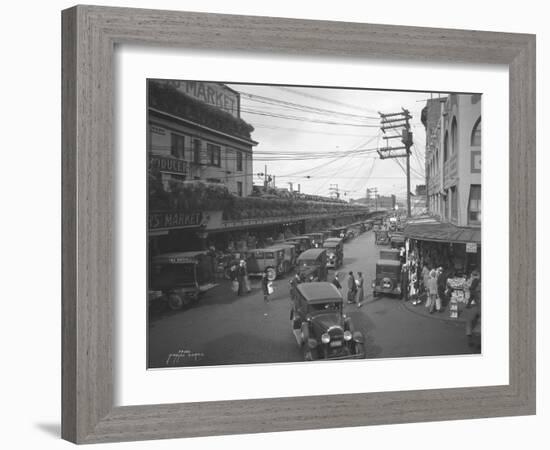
175 220
211 93
169 165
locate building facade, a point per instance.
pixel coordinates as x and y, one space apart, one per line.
453 159
195 133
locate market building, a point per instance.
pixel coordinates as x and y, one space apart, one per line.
195 132
200 180
450 234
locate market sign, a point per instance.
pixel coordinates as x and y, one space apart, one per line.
471 247
175 220
214 94
169 165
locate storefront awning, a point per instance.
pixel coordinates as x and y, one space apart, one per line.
430 229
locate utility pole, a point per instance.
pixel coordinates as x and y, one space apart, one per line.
265 177
399 120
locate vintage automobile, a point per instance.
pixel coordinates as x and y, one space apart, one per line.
311 265
397 240
178 279
381 237
388 278
289 260
335 252
390 253
270 260
303 241
339 232
317 239
320 326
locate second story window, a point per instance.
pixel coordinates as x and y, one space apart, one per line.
239 161
474 205
177 146
214 153
476 134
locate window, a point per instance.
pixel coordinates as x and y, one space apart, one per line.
239 188
239 161
446 146
476 134
446 200
454 204
177 145
454 137
197 151
474 205
214 153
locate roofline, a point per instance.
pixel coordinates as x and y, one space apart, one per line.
197 125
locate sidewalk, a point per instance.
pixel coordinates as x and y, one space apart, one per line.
444 314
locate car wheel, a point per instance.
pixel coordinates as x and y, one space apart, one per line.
271 274
175 302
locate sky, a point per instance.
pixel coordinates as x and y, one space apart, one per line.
305 136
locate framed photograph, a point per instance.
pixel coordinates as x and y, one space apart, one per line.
246 201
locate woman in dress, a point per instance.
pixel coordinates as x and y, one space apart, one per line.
265 286
360 291
352 288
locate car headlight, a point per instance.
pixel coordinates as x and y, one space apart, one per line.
347 335
325 338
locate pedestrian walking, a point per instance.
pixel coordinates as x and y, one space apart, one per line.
425 274
294 282
336 282
442 277
433 299
233 278
405 281
360 296
246 277
352 288
475 289
267 286
241 272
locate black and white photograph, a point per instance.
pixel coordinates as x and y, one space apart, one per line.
298 223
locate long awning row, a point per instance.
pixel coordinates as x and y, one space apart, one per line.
430 229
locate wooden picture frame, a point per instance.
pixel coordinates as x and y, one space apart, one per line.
90 34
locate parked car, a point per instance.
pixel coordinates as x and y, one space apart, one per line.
317 239
270 260
179 279
335 252
339 232
390 253
289 260
311 265
303 242
388 278
321 328
381 237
